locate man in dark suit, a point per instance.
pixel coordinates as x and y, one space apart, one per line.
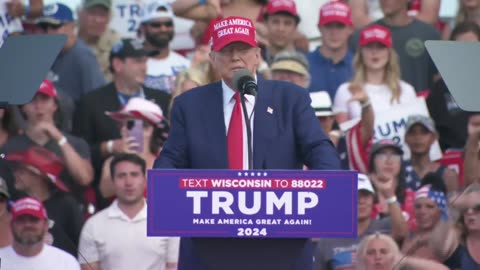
128 64
286 135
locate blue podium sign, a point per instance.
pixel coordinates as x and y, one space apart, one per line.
252 204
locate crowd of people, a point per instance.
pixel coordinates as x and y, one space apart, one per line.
75 158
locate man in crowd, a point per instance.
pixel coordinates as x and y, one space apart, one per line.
158 29
37 174
331 63
28 251
93 30
76 70
41 129
291 66
128 213
128 64
281 20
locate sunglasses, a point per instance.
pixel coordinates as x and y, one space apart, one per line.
475 209
3 199
46 26
160 24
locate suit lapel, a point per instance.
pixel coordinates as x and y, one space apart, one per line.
112 95
214 121
264 126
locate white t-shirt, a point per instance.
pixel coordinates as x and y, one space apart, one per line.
161 74
49 258
380 98
117 242
8 24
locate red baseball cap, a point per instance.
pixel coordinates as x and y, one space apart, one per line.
376 33
287 6
43 162
28 206
233 29
47 88
335 11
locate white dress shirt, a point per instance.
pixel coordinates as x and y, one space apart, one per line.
228 104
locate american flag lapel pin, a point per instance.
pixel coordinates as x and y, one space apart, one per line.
270 110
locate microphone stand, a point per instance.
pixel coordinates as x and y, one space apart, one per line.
249 130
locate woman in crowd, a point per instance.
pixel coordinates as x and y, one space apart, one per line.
471 162
380 252
469 223
155 131
468 10
385 163
376 71
435 237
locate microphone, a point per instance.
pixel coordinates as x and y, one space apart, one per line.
245 83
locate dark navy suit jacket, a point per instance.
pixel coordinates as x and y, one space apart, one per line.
286 135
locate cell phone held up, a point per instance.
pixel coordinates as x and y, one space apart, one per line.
135 130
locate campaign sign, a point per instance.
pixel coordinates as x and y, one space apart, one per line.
256 204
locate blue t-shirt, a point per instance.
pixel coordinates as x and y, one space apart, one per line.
326 75
77 71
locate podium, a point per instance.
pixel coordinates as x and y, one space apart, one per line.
250 219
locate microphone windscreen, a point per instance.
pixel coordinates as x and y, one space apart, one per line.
240 77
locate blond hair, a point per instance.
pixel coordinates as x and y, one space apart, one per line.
195 75
391 78
362 248
460 224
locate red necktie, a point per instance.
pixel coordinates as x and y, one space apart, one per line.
235 136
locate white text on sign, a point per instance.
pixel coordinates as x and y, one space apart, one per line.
252 183
223 200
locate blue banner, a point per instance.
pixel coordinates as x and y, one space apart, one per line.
257 204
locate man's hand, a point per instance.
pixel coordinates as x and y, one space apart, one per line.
50 130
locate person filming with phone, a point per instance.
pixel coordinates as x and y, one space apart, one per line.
144 127
128 62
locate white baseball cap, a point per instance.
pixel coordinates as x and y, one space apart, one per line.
364 183
321 103
157 10
139 108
